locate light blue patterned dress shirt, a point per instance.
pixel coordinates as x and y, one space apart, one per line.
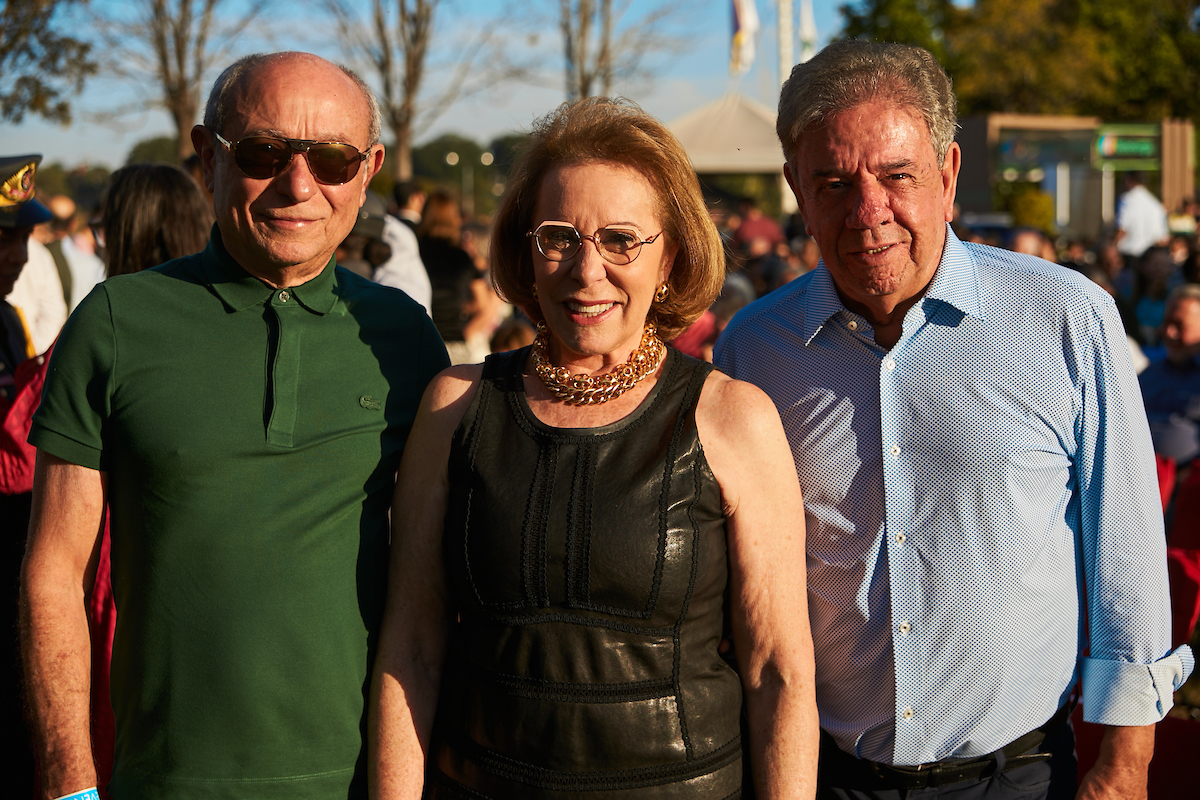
980 502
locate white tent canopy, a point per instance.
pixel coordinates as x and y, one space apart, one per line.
732 134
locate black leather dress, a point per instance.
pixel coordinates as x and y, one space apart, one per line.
588 567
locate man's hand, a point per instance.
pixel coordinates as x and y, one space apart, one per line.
1121 766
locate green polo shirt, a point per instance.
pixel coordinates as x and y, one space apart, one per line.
251 437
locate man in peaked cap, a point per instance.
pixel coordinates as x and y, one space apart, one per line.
19 212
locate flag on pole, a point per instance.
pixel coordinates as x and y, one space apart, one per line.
808 31
745 27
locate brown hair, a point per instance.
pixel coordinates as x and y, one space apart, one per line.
846 74
440 218
152 213
599 129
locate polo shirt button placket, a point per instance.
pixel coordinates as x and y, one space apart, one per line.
284 296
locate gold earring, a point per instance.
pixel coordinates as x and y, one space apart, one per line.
662 293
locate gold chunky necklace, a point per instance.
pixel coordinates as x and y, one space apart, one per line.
584 390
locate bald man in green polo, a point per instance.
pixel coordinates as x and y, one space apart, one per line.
241 413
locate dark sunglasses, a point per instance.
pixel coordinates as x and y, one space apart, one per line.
264 157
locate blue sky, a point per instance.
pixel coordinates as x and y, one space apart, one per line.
680 82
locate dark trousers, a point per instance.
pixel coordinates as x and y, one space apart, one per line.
1043 780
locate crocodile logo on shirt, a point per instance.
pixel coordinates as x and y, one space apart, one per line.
366 401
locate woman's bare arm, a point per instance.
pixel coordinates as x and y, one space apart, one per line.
748 453
404 690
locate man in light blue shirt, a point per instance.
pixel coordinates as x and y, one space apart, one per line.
982 515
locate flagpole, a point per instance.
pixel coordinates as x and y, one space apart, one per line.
785 40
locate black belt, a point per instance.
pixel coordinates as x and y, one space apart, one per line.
937 773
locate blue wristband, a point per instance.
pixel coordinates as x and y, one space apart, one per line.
86 794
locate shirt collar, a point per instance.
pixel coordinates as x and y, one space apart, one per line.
240 290
955 283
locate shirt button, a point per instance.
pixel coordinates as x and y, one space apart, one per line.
905 628
901 538
890 364
852 325
284 296
894 450
908 713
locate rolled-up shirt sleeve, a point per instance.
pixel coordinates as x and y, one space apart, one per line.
1128 673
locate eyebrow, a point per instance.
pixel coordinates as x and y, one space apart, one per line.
893 166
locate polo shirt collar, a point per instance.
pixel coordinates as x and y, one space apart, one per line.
239 290
955 283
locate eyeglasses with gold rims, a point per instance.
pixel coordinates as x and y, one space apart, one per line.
560 241
264 157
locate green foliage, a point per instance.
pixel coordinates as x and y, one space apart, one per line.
1032 208
430 167
1132 61
159 150
506 148
919 22
82 184
38 66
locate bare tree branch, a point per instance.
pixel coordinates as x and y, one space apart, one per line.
619 48
173 46
394 46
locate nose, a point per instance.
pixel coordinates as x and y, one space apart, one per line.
589 267
870 205
297 181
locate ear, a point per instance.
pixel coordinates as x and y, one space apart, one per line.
791 182
670 251
950 179
202 141
371 166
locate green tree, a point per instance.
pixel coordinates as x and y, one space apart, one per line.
159 150
1030 56
506 148
919 22
1136 60
1154 49
38 65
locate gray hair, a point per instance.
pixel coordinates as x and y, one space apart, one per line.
1184 291
216 111
846 74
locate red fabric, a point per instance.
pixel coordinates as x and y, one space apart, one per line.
760 227
1165 467
16 454
102 619
1185 524
694 340
16 477
1183 569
